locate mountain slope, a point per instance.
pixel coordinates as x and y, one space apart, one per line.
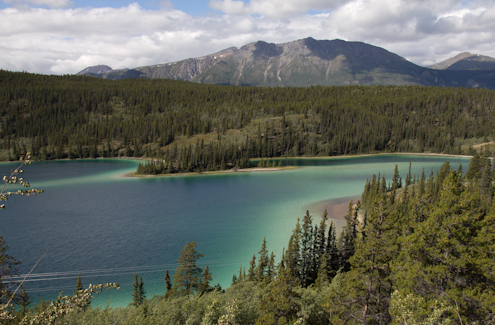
95 70
306 62
466 61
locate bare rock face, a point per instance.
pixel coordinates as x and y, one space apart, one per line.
306 62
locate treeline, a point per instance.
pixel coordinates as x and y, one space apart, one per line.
197 127
417 250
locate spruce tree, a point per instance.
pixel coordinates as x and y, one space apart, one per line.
307 252
205 282
136 292
252 269
262 262
79 285
332 251
168 285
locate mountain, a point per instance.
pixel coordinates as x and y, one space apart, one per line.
306 62
466 61
95 70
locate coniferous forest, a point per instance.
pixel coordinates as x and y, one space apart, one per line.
416 249
196 127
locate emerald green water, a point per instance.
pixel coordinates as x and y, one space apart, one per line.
93 222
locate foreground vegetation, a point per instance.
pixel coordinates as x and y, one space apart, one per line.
418 251
196 127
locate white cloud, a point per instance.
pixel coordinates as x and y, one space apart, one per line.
43 3
68 40
272 8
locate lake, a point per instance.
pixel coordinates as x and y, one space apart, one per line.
94 222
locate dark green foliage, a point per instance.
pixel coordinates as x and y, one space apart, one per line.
187 277
168 286
262 268
196 127
138 293
205 287
279 305
24 301
79 285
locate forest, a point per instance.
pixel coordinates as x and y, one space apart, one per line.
189 127
414 250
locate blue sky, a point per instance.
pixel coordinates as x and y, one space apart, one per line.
66 36
192 7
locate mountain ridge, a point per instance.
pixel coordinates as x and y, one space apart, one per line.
307 62
466 61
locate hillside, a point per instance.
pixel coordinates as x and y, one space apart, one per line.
466 61
306 62
196 127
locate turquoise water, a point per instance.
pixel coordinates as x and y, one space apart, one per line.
93 222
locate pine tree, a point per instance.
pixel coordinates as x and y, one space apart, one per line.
395 185
205 282
332 251
421 191
292 259
252 267
138 292
24 301
142 293
409 176
168 286
322 277
280 305
347 240
262 262
270 270
79 285
187 274
307 252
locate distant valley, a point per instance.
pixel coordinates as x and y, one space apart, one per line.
309 62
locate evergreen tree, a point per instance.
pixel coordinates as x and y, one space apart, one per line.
138 294
332 251
24 301
168 286
442 257
475 168
292 255
270 270
307 253
280 305
252 267
187 274
347 239
261 269
79 285
205 282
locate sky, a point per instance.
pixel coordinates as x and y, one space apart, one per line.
66 36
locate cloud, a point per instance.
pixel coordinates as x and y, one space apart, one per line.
67 40
272 8
42 3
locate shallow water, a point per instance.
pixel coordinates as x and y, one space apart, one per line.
93 222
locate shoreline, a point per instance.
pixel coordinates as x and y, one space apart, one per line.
228 171
258 169
273 169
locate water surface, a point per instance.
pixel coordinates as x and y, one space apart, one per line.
93 222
